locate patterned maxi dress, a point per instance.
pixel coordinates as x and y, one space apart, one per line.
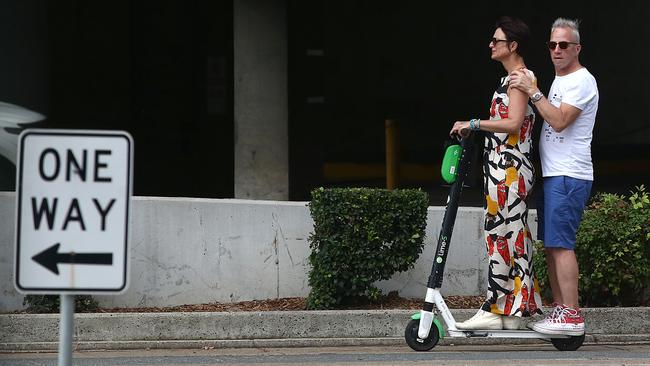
508 177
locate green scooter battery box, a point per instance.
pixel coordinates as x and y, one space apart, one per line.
449 167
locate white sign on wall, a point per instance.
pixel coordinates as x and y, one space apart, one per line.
72 211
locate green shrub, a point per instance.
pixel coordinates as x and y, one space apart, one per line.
613 251
51 303
541 272
361 235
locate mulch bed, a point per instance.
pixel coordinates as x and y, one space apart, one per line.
391 301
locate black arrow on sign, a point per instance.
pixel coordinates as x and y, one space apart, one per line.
50 258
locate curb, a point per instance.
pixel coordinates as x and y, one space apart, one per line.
115 331
621 339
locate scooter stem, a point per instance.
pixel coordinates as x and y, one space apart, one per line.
434 283
435 279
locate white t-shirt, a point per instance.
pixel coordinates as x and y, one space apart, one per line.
569 152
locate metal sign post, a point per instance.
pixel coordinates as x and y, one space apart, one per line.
66 330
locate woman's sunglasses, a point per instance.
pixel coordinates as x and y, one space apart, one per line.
563 45
495 40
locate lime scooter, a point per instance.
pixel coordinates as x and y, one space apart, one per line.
424 330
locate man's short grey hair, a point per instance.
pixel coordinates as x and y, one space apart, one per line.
567 23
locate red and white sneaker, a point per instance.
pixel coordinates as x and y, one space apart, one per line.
557 308
562 320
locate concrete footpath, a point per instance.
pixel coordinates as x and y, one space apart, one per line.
115 331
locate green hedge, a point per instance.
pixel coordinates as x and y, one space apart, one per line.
613 250
361 235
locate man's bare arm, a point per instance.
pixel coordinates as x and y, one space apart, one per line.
558 118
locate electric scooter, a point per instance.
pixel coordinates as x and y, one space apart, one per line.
424 330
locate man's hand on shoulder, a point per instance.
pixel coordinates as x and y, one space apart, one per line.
522 81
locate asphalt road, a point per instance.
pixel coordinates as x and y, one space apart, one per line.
528 355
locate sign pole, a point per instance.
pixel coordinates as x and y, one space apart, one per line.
66 330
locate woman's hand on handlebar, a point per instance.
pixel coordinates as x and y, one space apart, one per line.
460 128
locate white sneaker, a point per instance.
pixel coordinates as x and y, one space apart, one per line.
511 322
482 320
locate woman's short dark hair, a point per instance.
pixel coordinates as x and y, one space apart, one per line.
515 30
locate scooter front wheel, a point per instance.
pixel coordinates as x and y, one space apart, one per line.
568 344
417 343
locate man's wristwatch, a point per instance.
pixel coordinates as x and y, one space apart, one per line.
536 97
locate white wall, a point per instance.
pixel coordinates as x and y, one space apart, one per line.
192 251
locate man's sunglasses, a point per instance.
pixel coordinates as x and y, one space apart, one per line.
496 40
563 45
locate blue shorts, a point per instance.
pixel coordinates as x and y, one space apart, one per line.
559 210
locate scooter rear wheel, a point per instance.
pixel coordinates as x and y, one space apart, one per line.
415 342
568 344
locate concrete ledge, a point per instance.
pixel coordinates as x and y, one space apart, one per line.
199 250
29 332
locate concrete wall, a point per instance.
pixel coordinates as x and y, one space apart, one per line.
191 251
261 100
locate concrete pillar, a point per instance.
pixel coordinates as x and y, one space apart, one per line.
260 100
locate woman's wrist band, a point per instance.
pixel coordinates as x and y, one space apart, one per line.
474 124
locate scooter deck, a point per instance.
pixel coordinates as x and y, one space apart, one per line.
505 333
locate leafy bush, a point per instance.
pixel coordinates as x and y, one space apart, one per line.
613 250
541 271
51 303
361 235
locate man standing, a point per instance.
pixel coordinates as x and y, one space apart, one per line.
569 113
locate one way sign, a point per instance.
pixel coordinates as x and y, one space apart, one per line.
72 211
